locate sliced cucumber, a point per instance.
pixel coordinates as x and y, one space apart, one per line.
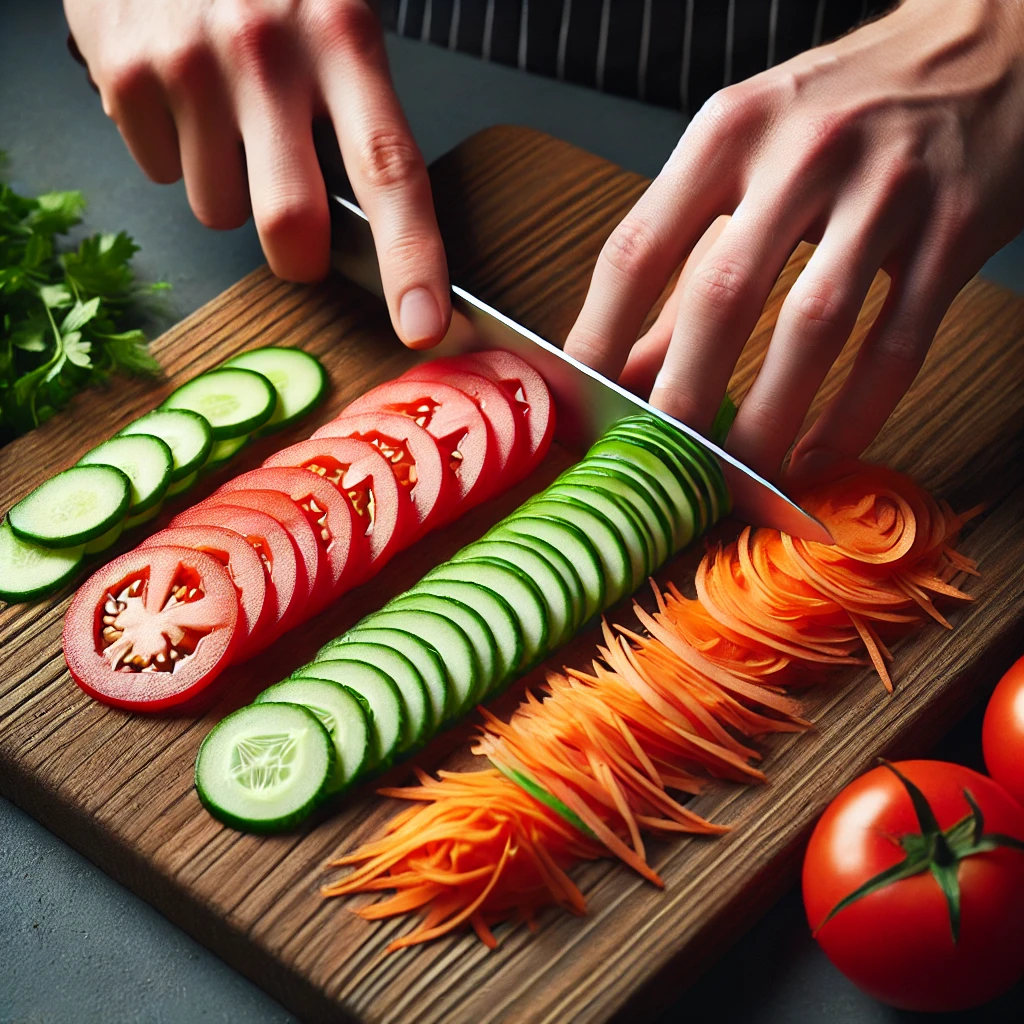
223 451
143 517
72 507
558 561
186 433
420 652
611 548
265 767
105 540
182 485
233 400
28 570
340 712
299 380
144 459
557 600
403 673
472 624
496 612
387 717
573 542
450 641
518 590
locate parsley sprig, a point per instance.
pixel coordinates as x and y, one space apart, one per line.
67 319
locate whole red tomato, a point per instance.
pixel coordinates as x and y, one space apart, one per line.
1002 735
913 883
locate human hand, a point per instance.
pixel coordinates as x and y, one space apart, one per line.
224 92
899 147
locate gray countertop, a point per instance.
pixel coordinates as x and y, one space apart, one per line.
74 945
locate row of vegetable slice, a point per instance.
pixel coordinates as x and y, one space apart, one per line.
123 482
467 629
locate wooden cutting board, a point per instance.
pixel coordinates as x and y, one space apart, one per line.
524 217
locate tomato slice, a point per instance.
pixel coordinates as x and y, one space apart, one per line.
288 589
344 552
454 420
384 514
507 428
415 459
245 568
528 393
152 628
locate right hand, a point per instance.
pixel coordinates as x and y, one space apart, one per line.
224 92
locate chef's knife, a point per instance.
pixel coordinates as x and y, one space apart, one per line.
586 403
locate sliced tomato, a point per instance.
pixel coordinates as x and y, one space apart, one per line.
152 628
450 417
507 428
343 549
384 514
527 391
288 586
416 460
245 568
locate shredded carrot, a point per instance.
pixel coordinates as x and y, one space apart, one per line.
661 712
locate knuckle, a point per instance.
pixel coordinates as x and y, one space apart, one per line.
346 28
121 83
818 309
731 109
901 345
414 250
389 159
292 220
186 65
719 282
586 345
630 247
253 38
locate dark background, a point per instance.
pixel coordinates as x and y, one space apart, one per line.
74 945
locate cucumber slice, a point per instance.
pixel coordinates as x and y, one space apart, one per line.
143 517
472 624
387 713
182 485
686 509
573 542
340 712
223 451
299 380
496 612
233 400
144 459
557 602
448 639
636 495
611 549
105 540
518 590
28 570
559 562
72 507
265 767
420 652
186 433
403 674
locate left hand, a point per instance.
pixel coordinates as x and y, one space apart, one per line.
899 147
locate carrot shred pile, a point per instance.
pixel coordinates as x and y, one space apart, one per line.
587 768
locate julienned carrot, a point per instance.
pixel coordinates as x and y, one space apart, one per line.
585 771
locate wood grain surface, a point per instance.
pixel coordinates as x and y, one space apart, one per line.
524 217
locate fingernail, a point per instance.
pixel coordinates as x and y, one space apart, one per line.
419 317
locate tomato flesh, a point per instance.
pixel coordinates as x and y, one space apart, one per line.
454 420
152 628
343 552
896 943
383 514
1002 735
528 393
419 467
245 568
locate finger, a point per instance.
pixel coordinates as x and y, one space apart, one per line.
886 366
286 188
386 171
647 355
702 179
134 100
209 139
723 300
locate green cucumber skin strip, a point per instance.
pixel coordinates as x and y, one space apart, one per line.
541 795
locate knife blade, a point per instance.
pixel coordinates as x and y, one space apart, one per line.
586 403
